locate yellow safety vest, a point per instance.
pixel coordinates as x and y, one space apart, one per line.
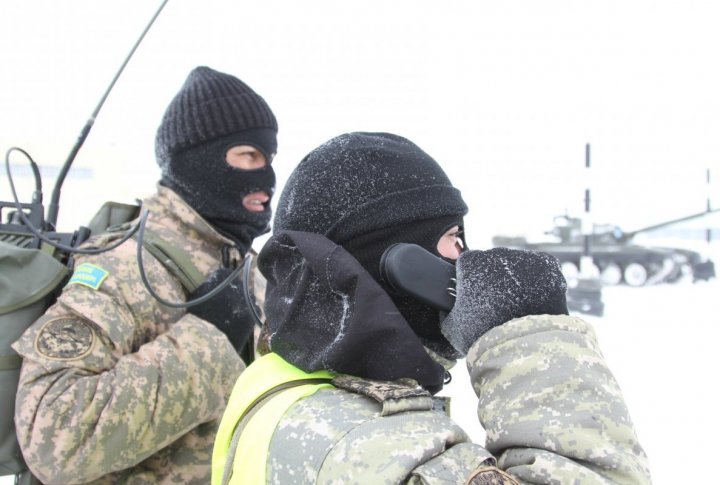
268 376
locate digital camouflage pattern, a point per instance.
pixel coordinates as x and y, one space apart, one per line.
116 388
335 436
552 411
381 390
401 395
551 407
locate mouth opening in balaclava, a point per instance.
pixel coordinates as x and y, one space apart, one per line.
368 249
203 178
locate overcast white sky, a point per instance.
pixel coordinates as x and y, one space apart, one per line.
503 94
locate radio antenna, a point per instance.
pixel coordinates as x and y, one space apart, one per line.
54 205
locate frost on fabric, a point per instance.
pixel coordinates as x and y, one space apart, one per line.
340 327
348 172
306 320
329 313
499 285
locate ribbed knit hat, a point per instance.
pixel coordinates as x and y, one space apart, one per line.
359 182
212 105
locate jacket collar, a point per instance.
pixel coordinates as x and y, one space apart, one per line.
187 224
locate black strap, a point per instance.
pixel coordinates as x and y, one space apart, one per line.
175 260
281 387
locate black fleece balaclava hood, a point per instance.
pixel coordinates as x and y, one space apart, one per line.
366 191
211 113
324 311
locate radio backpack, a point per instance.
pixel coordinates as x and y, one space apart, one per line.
32 275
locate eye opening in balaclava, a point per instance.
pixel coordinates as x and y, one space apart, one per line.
203 178
368 250
264 141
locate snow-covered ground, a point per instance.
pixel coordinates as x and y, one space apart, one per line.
662 344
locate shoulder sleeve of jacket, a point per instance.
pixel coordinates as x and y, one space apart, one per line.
335 436
109 378
551 408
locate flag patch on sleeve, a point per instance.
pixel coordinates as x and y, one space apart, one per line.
88 275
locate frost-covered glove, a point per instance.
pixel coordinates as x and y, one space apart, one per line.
498 285
228 310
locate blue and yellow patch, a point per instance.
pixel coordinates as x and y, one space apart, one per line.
88 275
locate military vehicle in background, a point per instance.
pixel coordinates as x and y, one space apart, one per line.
617 259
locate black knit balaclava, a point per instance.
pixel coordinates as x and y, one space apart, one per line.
211 113
367 191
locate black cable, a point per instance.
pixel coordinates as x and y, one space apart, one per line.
139 227
53 208
36 232
146 282
35 171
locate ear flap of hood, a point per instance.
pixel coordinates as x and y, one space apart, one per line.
326 312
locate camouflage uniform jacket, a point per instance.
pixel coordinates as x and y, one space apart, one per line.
552 411
116 388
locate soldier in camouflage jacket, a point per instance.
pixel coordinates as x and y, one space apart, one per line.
348 393
116 387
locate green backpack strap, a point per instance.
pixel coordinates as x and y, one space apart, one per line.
175 260
116 216
111 214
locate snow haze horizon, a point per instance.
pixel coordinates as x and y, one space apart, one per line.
505 96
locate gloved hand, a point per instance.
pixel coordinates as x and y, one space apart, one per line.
498 285
228 310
